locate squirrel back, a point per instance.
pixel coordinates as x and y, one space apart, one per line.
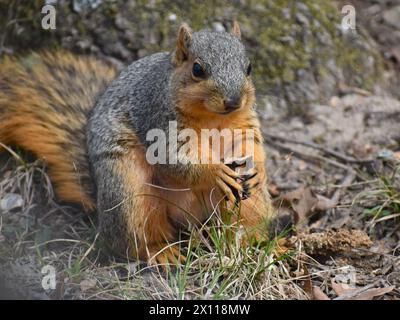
45 100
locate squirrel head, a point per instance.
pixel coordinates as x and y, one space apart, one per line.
212 72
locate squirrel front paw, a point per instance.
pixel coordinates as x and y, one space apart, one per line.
251 180
227 181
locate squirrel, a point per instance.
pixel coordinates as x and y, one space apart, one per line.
90 124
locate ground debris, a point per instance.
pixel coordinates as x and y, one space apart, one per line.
366 293
331 241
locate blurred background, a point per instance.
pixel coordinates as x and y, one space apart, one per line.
300 51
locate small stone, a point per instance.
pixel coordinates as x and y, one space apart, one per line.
385 154
87 284
218 27
172 17
11 201
335 102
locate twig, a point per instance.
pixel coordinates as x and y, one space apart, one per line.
309 157
351 175
325 150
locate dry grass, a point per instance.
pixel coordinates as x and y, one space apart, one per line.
42 232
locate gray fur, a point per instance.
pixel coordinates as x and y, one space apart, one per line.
142 98
224 58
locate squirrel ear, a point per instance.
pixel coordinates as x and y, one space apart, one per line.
182 43
236 30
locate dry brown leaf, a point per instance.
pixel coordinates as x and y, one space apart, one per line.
301 201
319 294
324 203
282 247
341 288
273 190
372 293
365 293
307 284
305 202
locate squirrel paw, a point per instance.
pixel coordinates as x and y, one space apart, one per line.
227 182
251 180
170 255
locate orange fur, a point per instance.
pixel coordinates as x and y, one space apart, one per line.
44 103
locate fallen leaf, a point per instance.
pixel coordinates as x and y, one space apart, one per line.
365 293
273 190
307 284
341 288
324 203
282 247
319 294
302 201
372 293
305 202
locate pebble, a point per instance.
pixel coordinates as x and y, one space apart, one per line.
11 201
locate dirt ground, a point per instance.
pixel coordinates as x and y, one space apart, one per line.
334 172
356 128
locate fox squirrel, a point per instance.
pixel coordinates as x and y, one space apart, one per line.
90 126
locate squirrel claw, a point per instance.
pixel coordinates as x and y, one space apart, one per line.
227 182
170 255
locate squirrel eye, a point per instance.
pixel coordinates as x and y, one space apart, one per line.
198 70
248 71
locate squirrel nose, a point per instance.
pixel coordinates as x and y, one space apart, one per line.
232 104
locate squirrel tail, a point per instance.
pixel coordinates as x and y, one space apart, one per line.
45 100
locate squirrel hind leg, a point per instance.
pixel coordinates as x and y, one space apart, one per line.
144 210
